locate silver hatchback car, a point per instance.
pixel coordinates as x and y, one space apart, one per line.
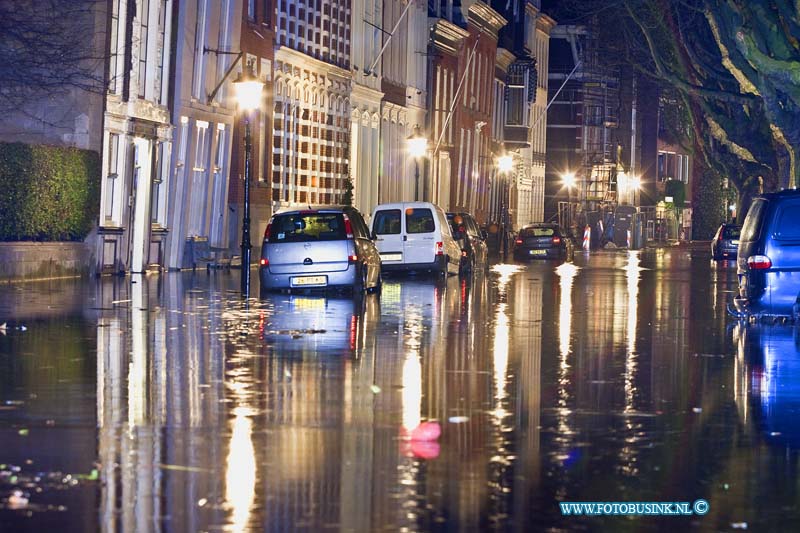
319 248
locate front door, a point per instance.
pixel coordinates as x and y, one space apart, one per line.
140 207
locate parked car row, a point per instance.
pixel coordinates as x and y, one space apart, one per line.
333 247
768 257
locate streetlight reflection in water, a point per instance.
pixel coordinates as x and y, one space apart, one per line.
240 475
566 273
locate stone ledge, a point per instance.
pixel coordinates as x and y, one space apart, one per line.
43 260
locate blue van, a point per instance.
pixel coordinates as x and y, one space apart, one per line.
768 262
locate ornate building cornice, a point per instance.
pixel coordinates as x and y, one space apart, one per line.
448 37
545 23
284 53
486 18
503 59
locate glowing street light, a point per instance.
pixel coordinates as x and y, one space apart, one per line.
505 163
248 96
569 180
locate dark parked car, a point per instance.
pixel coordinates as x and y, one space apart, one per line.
542 241
768 262
726 242
471 239
318 248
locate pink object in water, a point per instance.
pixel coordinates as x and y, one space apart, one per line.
426 431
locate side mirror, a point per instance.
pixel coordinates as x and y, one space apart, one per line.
373 236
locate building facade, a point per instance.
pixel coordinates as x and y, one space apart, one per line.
464 49
137 137
365 102
203 113
601 131
258 54
403 108
520 120
311 114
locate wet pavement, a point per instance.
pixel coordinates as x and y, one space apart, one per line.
166 403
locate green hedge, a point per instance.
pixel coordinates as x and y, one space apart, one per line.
49 193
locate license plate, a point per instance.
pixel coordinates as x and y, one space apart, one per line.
309 280
391 257
734 242
537 252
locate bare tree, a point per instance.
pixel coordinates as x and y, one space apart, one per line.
49 48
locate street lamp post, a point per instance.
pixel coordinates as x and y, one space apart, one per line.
248 96
417 146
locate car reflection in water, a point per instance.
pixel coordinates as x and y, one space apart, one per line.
768 380
318 324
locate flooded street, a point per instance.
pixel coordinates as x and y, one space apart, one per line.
167 403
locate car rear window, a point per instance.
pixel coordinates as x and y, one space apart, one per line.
457 225
731 232
387 222
307 227
788 222
751 228
419 221
537 232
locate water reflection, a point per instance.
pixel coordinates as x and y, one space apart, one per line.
768 378
566 273
612 378
632 272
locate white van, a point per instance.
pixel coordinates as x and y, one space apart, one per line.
414 236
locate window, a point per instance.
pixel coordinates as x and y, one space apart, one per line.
112 73
266 16
200 146
686 169
752 223
515 92
111 176
307 227
537 232
159 94
157 195
387 222
419 221
144 15
788 226
731 232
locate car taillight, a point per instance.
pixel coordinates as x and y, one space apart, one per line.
264 262
556 240
352 258
518 241
348 227
439 248
759 262
266 231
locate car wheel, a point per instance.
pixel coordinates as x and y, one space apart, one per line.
360 286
